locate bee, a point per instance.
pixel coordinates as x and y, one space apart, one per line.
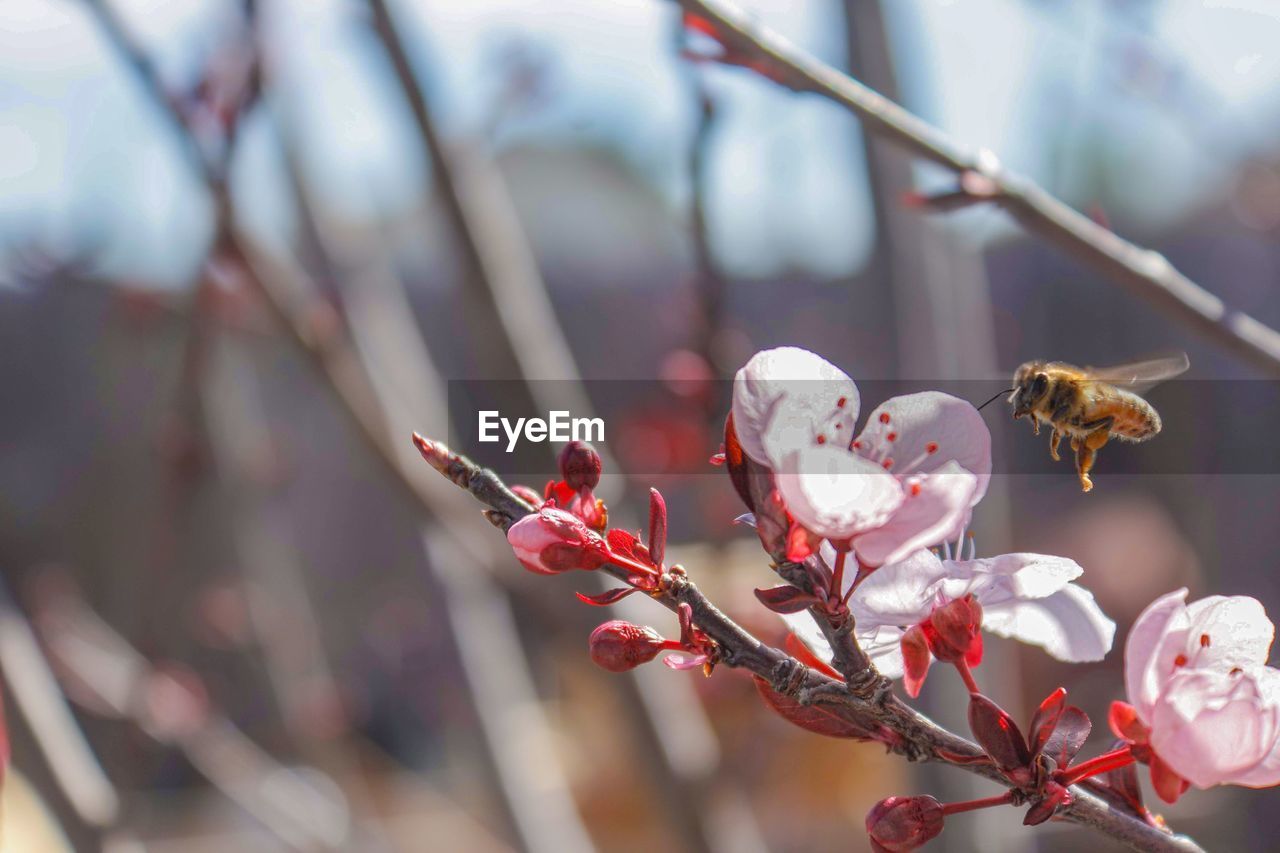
1091 405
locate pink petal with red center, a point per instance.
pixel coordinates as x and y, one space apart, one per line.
784 398
951 427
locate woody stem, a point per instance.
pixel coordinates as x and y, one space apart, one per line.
1101 764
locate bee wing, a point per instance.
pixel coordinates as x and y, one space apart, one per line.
1139 376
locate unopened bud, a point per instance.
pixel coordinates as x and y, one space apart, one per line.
580 465
551 541
620 646
954 631
904 823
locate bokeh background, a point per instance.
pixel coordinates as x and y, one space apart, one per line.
237 617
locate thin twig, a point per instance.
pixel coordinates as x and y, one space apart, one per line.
918 737
1144 272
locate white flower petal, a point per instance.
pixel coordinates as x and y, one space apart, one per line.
917 420
899 593
834 493
784 398
1266 772
1010 577
928 515
1156 638
1067 624
1211 727
1238 631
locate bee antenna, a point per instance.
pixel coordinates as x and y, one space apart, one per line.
996 397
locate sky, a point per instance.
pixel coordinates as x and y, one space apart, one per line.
1142 107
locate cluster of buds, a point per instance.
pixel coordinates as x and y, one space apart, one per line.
620 646
574 492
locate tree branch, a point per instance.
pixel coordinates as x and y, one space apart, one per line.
918 737
1143 272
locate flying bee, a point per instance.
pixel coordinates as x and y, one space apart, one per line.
1091 404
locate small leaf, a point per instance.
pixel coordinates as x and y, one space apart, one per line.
628 545
1068 736
998 734
818 719
797 649
915 660
1046 719
606 598
785 599
657 526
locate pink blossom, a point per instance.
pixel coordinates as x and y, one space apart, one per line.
1027 597
551 541
1208 705
909 480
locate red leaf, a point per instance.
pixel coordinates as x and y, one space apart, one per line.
606 598
785 599
998 734
915 660
1046 719
559 491
627 545
815 718
1068 736
798 650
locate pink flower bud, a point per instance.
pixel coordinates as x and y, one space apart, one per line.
620 646
904 823
551 541
580 465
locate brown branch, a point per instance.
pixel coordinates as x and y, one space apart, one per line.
1143 272
918 738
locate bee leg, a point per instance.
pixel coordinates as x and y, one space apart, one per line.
1053 445
1087 450
1085 456
1035 425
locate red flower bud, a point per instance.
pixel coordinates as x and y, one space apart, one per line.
580 465
954 631
551 541
620 646
904 823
